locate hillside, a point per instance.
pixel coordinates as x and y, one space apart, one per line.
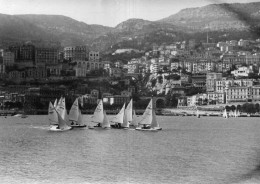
49 27
218 17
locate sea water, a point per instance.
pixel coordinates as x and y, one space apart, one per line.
206 150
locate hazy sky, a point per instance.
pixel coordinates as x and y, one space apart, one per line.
105 12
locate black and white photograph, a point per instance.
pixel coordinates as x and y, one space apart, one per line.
129 91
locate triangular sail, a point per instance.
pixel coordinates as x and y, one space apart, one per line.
61 108
105 123
55 103
98 114
52 115
125 121
238 113
81 118
74 111
154 123
146 118
120 116
135 121
225 114
129 111
62 123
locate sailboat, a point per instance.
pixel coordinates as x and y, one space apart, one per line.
61 109
105 123
198 114
125 124
148 119
238 113
225 115
75 116
53 117
119 118
129 112
98 116
57 123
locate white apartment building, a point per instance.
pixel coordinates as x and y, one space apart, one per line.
242 72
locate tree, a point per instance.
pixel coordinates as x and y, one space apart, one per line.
233 107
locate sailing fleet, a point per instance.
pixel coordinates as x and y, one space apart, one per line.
125 119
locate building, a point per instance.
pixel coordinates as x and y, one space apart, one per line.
8 58
216 98
242 72
198 81
75 53
239 94
46 56
26 53
93 56
211 79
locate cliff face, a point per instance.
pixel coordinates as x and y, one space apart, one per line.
218 17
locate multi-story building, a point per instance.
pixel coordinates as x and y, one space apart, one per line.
199 81
26 53
93 55
75 53
211 79
8 58
218 98
239 94
46 56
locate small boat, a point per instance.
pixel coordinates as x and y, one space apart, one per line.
148 119
53 117
118 119
198 114
105 123
75 116
61 109
225 115
98 116
57 123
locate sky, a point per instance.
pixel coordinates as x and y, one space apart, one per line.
106 12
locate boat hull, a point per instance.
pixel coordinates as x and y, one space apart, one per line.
56 129
146 129
79 126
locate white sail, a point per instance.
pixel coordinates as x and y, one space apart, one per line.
120 116
198 114
225 114
61 108
55 103
81 119
135 119
105 123
74 111
99 113
129 111
146 118
154 123
125 121
52 115
62 123
238 113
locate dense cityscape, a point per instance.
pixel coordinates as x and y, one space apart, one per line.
185 74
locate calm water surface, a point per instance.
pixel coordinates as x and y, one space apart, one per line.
209 150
